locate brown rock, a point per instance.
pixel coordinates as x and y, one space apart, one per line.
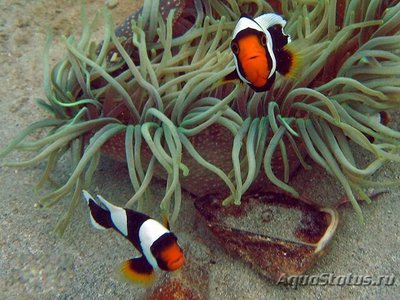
277 234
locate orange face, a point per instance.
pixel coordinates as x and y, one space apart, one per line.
173 257
251 54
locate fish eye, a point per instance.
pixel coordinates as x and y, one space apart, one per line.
263 40
235 48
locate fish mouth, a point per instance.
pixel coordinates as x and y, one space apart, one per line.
177 263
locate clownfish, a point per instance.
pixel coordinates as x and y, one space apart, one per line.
158 246
261 48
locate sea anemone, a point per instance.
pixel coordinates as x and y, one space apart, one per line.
151 94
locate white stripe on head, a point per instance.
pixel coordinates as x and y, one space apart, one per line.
268 20
149 232
271 53
238 71
118 216
246 23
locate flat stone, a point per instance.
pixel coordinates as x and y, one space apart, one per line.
277 234
111 3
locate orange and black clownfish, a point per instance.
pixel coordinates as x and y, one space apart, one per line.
261 48
159 247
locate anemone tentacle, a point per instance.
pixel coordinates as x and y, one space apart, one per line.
151 94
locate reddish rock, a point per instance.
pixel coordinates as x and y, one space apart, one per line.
173 289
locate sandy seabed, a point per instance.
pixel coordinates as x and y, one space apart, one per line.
37 264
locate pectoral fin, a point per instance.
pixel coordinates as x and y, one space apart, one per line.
138 270
233 76
288 61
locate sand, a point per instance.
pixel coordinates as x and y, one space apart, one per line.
37 264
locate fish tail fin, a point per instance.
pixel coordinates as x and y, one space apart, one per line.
99 217
138 270
289 61
107 204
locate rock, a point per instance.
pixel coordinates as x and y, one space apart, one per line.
277 234
173 289
111 3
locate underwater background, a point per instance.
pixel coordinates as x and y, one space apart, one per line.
36 263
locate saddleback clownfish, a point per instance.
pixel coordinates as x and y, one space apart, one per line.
261 48
158 246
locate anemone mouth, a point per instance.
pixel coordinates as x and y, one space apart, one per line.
169 117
